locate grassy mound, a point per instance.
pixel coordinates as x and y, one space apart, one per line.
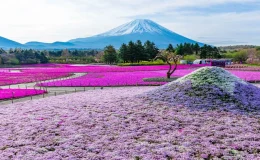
210 88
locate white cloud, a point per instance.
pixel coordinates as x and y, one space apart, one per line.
61 20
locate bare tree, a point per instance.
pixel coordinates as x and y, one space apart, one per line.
171 59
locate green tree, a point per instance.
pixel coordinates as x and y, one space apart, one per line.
204 52
190 58
110 55
240 56
187 49
140 54
180 49
131 49
170 48
150 49
123 53
196 48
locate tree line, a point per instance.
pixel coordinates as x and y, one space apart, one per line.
134 52
22 56
30 56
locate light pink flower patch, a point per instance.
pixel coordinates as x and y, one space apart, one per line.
115 124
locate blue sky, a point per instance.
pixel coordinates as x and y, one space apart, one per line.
217 22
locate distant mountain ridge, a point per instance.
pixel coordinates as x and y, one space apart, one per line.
139 29
7 43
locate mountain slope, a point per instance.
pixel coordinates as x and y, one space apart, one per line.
7 43
140 29
55 45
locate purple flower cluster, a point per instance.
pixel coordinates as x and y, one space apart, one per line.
115 124
19 93
210 88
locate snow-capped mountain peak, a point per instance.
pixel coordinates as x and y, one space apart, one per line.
136 26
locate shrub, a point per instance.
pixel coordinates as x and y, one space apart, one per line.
190 58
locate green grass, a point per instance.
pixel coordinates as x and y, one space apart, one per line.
160 79
254 65
143 63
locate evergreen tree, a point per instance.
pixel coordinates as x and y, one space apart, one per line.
196 48
140 55
123 53
131 51
180 50
170 48
150 49
204 52
110 55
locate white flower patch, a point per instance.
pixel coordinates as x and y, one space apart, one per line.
212 76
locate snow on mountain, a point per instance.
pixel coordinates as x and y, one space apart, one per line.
140 29
136 26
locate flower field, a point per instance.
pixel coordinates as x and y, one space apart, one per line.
115 79
115 124
98 75
19 93
125 78
9 78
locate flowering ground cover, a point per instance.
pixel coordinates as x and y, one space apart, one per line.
126 78
9 78
19 93
117 124
210 88
115 79
243 68
66 68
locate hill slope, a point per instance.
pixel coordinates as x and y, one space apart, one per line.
140 29
210 88
7 43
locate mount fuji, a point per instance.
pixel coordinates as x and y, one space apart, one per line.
140 29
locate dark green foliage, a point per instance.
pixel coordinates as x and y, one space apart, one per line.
180 50
196 48
30 56
136 52
110 56
150 50
208 51
170 48
123 53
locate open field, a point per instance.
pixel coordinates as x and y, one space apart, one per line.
115 124
59 79
107 112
